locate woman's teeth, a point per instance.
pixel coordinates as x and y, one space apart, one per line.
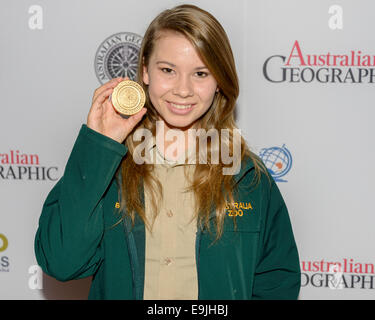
181 106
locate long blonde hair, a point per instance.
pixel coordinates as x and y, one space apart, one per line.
211 188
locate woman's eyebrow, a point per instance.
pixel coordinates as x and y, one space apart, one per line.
166 62
173 65
203 67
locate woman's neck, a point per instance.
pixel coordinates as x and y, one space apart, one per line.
172 141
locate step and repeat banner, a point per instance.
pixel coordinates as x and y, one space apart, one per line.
307 76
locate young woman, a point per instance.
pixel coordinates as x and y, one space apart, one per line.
170 230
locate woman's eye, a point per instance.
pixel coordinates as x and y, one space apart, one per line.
202 74
166 70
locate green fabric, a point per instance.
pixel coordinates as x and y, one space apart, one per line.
77 236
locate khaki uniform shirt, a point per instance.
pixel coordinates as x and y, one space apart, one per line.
170 264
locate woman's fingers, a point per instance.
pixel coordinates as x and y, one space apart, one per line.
105 119
99 100
135 118
110 84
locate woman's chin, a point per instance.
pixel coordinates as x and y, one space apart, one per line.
181 124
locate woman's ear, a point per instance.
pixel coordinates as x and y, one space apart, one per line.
146 78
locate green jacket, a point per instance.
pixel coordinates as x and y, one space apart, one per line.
76 237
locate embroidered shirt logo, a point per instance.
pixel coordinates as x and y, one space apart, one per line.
117 205
238 208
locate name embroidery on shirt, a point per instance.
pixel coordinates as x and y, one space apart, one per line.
238 208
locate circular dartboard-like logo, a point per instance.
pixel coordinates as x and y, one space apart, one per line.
117 56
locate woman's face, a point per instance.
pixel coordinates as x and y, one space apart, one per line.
181 87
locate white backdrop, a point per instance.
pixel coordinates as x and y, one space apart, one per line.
314 130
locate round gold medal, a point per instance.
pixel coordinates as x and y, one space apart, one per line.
128 97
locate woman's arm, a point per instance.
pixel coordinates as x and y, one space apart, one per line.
277 274
71 226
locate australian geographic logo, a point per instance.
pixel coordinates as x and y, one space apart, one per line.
344 274
117 56
15 165
327 67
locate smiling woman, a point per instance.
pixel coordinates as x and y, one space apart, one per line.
189 75
170 230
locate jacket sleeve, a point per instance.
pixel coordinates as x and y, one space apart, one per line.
277 274
71 226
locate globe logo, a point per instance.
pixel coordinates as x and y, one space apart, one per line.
277 160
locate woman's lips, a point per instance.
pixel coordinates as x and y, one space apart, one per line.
179 108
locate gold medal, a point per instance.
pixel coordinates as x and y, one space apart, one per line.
128 97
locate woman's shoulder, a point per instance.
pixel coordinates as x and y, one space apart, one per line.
255 174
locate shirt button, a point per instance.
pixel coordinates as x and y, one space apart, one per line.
170 213
167 261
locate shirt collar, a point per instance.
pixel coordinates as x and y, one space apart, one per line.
160 159
246 163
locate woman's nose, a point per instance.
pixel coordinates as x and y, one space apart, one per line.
183 87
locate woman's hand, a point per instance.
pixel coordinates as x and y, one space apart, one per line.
104 119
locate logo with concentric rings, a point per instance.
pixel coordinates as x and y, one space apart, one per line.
278 161
4 259
117 56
